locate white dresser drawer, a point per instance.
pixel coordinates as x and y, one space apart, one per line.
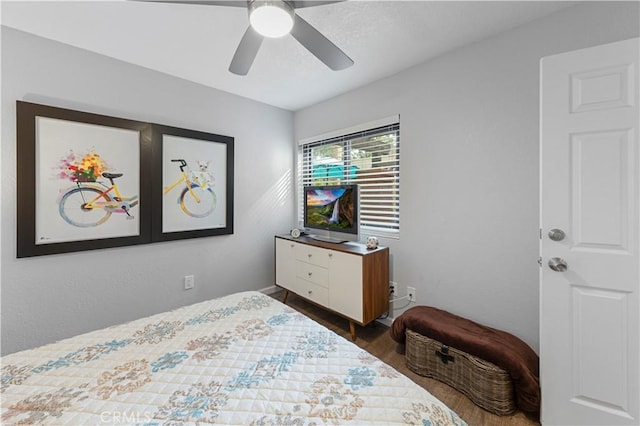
312 273
313 292
314 255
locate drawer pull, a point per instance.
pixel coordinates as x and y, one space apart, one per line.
309 255
310 291
309 273
330 255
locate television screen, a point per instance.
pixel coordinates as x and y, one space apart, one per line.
331 208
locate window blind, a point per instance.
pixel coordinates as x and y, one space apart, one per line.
369 158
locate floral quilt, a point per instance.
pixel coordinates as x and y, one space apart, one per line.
243 359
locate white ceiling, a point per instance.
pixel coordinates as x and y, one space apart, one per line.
197 42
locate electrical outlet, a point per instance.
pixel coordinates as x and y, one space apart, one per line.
393 287
411 291
189 282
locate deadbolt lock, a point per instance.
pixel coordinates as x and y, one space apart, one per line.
557 234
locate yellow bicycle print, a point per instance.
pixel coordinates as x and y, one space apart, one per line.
92 203
196 198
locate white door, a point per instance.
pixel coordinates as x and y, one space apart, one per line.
589 321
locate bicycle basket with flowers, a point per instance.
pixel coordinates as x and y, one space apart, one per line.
87 168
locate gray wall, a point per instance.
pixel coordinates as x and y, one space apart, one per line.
469 163
51 297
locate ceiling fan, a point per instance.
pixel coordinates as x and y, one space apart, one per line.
276 18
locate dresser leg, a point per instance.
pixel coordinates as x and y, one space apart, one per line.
286 294
352 330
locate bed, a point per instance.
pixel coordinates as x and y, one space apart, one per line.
242 359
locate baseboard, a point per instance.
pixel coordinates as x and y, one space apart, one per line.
270 290
386 321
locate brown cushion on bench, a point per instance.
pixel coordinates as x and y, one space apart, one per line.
501 348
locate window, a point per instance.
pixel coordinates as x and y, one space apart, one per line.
369 158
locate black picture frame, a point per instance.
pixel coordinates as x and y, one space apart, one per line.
172 219
32 146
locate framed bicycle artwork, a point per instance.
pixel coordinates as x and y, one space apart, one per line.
192 183
81 181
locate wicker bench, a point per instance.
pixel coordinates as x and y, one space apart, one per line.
495 369
486 384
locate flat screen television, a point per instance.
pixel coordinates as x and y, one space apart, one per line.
331 213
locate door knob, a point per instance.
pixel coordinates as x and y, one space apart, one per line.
556 234
557 264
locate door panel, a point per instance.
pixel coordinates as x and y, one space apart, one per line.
345 285
600 189
600 318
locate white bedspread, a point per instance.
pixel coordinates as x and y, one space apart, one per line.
244 359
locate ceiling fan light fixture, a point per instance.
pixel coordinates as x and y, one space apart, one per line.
271 18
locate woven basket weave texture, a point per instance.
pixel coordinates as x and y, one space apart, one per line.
486 384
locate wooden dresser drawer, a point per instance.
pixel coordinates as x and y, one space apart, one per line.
312 273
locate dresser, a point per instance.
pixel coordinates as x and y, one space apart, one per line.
347 279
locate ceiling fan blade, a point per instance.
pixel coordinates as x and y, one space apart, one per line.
234 3
319 45
246 52
299 4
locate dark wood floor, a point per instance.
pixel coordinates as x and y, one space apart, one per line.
375 339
